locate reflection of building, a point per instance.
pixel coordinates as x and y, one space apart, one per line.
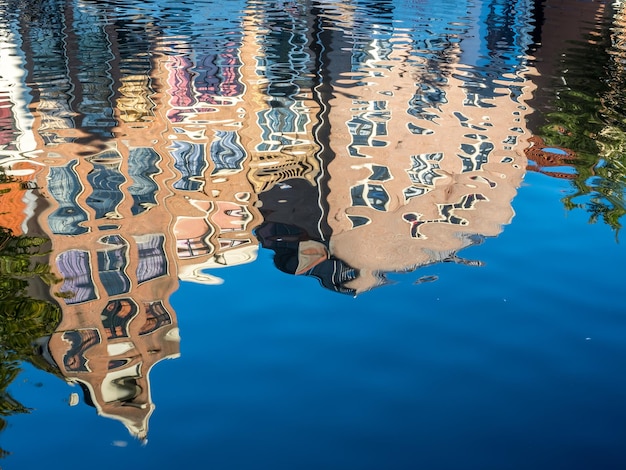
105 188
110 352
153 171
223 131
204 106
434 193
110 232
249 117
428 152
17 201
550 160
556 29
349 157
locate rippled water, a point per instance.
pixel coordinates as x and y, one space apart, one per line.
369 234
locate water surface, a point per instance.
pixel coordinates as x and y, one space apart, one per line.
365 234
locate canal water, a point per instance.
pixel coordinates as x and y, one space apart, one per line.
312 234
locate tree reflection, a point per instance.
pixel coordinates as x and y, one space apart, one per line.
23 319
587 109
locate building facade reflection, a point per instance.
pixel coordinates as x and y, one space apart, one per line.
425 146
102 200
168 155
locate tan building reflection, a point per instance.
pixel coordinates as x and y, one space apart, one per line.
105 189
235 142
110 231
158 186
426 159
418 187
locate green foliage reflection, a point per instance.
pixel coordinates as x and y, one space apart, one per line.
588 115
23 319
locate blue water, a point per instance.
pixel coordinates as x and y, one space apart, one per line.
514 364
497 367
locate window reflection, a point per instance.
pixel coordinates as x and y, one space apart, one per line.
112 263
74 266
152 260
142 167
64 186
